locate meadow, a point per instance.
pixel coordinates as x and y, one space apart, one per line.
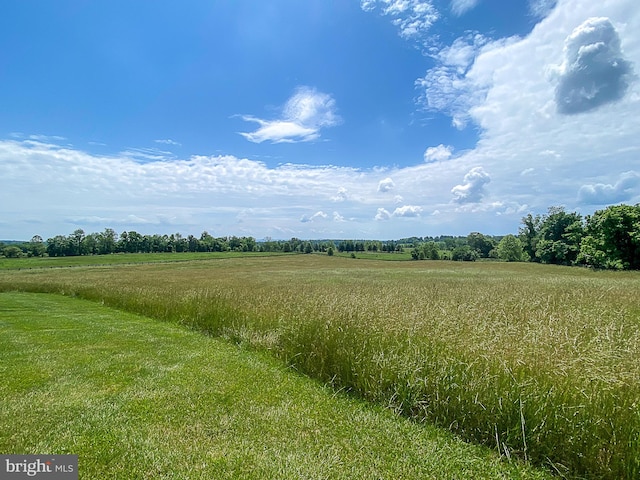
135 398
537 362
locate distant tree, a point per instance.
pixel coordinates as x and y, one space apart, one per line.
481 243
612 238
12 251
75 242
330 251
107 241
308 248
90 245
36 247
510 249
58 246
559 237
464 253
529 235
426 251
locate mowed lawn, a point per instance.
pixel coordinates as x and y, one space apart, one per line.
138 398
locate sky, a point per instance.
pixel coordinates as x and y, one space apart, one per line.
371 119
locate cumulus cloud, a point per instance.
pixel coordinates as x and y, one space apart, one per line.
601 194
386 185
594 71
438 154
459 7
382 214
408 211
472 188
341 196
303 116
414 18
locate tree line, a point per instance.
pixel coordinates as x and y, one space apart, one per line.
110 242
610 238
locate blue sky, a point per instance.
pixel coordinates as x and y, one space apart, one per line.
315 119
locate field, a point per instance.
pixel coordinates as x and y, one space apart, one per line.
137 398
536 362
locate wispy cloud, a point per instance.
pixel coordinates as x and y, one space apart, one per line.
459 7
319 215
303 116
147 154
414 18
449 87
168 141
541 8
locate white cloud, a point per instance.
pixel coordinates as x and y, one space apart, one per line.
341 196
320 215
385 185
408 211
147 154
338 218
303 116
459 7
44 138
414 18
438 154
382 214
626 188
448 86
541 8
594 71
168 141
472 188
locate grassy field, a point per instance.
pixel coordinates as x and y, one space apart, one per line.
120 259
137 398
537 362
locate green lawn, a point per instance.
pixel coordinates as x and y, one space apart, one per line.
138 398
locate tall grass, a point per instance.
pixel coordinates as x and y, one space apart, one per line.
537 362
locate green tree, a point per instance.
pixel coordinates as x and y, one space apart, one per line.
107 241
559 237
464 253
529 235
481 243
510 249
612 238
36 247
11 251
75 242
